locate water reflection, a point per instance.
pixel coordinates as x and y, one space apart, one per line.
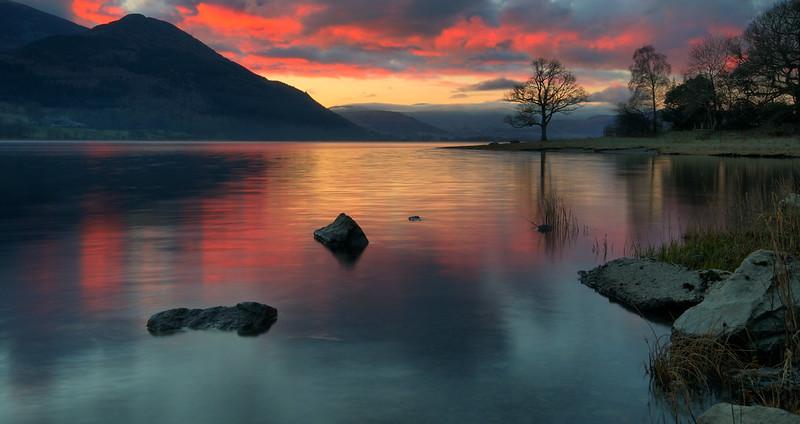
469 315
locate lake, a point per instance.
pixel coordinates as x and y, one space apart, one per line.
468 316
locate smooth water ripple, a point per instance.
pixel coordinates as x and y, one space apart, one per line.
467 316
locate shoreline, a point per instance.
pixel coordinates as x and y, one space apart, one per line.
670 144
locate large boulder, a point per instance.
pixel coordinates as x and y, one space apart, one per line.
247 318
649 286
342 234
725 413
747 307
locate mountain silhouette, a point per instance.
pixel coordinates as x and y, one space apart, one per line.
391 125
144 76
21 24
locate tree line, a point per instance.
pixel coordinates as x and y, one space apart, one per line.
740 82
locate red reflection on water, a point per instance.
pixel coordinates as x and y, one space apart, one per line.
101 255
242 237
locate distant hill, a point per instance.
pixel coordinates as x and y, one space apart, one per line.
20 25
140 77
486 120
391 125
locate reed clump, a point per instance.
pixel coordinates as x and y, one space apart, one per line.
690 364
556 215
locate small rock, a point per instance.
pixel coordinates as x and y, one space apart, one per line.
725 413
247 318
415 218
342 234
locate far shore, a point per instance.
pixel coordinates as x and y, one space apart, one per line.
742 144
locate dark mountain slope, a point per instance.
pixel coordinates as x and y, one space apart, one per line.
391 124
144 75
20 25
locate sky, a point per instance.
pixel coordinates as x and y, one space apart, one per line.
432 51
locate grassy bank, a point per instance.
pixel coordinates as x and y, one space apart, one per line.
673 143
777 227
683 368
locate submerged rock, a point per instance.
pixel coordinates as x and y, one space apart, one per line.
763 380
725 413
647 286
342 234
792 201
247 318
415 218
748 307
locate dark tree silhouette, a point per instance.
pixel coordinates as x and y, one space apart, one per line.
649 80
691 104
551 89
773 54
713 59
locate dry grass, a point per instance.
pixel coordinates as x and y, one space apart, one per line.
681 363
684 368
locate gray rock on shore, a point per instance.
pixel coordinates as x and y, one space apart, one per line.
725 413
342 234
649 286
247 318
748 306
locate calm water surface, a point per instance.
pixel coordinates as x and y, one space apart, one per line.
468 316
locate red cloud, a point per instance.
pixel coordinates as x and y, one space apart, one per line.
226 22
95 12
293 39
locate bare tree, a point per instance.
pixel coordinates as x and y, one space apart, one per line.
773 54
650 81
551 89
714 59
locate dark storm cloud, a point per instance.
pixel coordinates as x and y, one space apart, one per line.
393 59
499 55
423 17
613 94
492 85
489 37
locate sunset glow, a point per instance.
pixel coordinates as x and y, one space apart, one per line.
357 51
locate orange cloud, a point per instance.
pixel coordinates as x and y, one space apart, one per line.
95 12
228 22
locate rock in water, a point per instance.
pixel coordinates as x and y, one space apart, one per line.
342 234
725 413
748 306
646 285
415 218
247 318
792 201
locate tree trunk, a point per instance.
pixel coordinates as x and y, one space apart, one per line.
544 132
655 118
797 105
